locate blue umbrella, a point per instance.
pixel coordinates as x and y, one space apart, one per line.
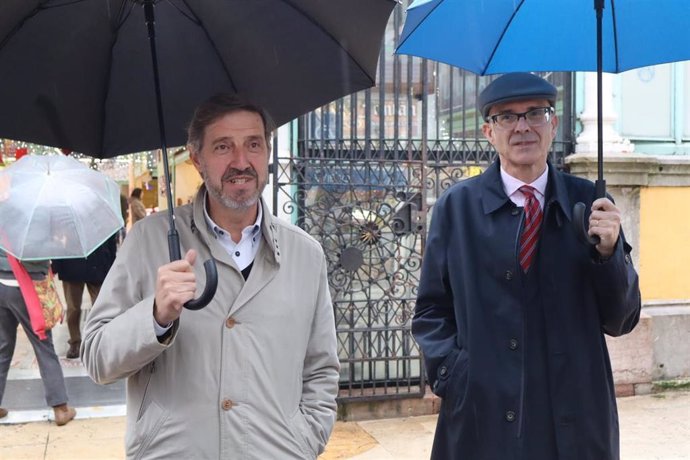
500 36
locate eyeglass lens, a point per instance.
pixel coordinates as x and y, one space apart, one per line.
534 117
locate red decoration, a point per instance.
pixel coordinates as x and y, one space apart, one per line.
21 151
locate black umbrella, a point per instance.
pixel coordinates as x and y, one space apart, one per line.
79 74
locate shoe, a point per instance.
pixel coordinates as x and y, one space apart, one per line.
73 352
3 412
63 414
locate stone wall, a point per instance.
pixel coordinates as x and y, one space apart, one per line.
659 347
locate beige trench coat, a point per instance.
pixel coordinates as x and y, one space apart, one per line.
253 375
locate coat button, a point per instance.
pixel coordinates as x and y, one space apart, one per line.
508 275
510 416
230 323
443 371
628 259
513 344
226 404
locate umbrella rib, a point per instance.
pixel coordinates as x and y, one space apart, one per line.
419 23
33 210
18 26
213 44
328 34
194 19
503 33
124 15
33 13
615 35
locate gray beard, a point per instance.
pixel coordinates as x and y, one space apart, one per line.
217 193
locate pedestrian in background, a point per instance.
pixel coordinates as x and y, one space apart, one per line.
77 273
136 205
512 308
124 206
13 312
254 375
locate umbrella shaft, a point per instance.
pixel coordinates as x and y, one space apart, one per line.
599 7
173 239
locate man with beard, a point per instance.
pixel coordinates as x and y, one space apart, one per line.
512 308
253 375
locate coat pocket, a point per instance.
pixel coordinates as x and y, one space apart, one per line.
299 427
451 384
145 430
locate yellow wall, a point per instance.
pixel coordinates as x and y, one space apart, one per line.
664 243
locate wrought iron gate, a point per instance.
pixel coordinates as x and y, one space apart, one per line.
361 177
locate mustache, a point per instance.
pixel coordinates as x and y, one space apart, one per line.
231 173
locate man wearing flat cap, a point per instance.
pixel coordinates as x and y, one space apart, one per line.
512 307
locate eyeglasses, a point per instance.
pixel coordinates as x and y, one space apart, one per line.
534 118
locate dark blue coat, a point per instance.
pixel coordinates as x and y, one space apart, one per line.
469 323
91 269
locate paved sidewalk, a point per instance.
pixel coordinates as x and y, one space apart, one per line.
653 427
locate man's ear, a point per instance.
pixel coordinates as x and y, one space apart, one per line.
194 156
488 132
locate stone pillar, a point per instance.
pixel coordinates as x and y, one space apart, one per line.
587 140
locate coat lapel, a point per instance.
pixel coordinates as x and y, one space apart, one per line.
266 262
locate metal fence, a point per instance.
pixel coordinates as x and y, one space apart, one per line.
362 179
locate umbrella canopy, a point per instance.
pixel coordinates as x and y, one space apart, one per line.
500 36
78 73
54 207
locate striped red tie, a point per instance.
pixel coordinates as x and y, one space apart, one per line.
530 230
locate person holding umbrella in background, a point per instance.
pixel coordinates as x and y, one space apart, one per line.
51 206
75 273
512 306
255 373
13 312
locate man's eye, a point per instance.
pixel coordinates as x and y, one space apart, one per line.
507 117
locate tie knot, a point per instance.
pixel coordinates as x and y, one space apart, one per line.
528 191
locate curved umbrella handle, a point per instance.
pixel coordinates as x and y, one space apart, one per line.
209 289
209 267
580 228
579 214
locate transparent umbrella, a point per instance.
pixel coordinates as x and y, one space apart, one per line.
54 207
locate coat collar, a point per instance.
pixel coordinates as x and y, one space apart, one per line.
269 227
494 197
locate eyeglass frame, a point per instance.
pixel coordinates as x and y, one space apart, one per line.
547 110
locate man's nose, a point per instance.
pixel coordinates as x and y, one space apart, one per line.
522 124
240 159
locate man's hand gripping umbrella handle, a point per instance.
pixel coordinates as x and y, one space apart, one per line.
209 268
579 216
173 236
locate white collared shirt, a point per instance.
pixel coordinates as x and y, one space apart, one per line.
511 186
243 252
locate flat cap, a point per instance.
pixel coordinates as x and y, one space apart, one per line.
514 87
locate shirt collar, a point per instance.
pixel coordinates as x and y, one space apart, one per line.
219 232
511 184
